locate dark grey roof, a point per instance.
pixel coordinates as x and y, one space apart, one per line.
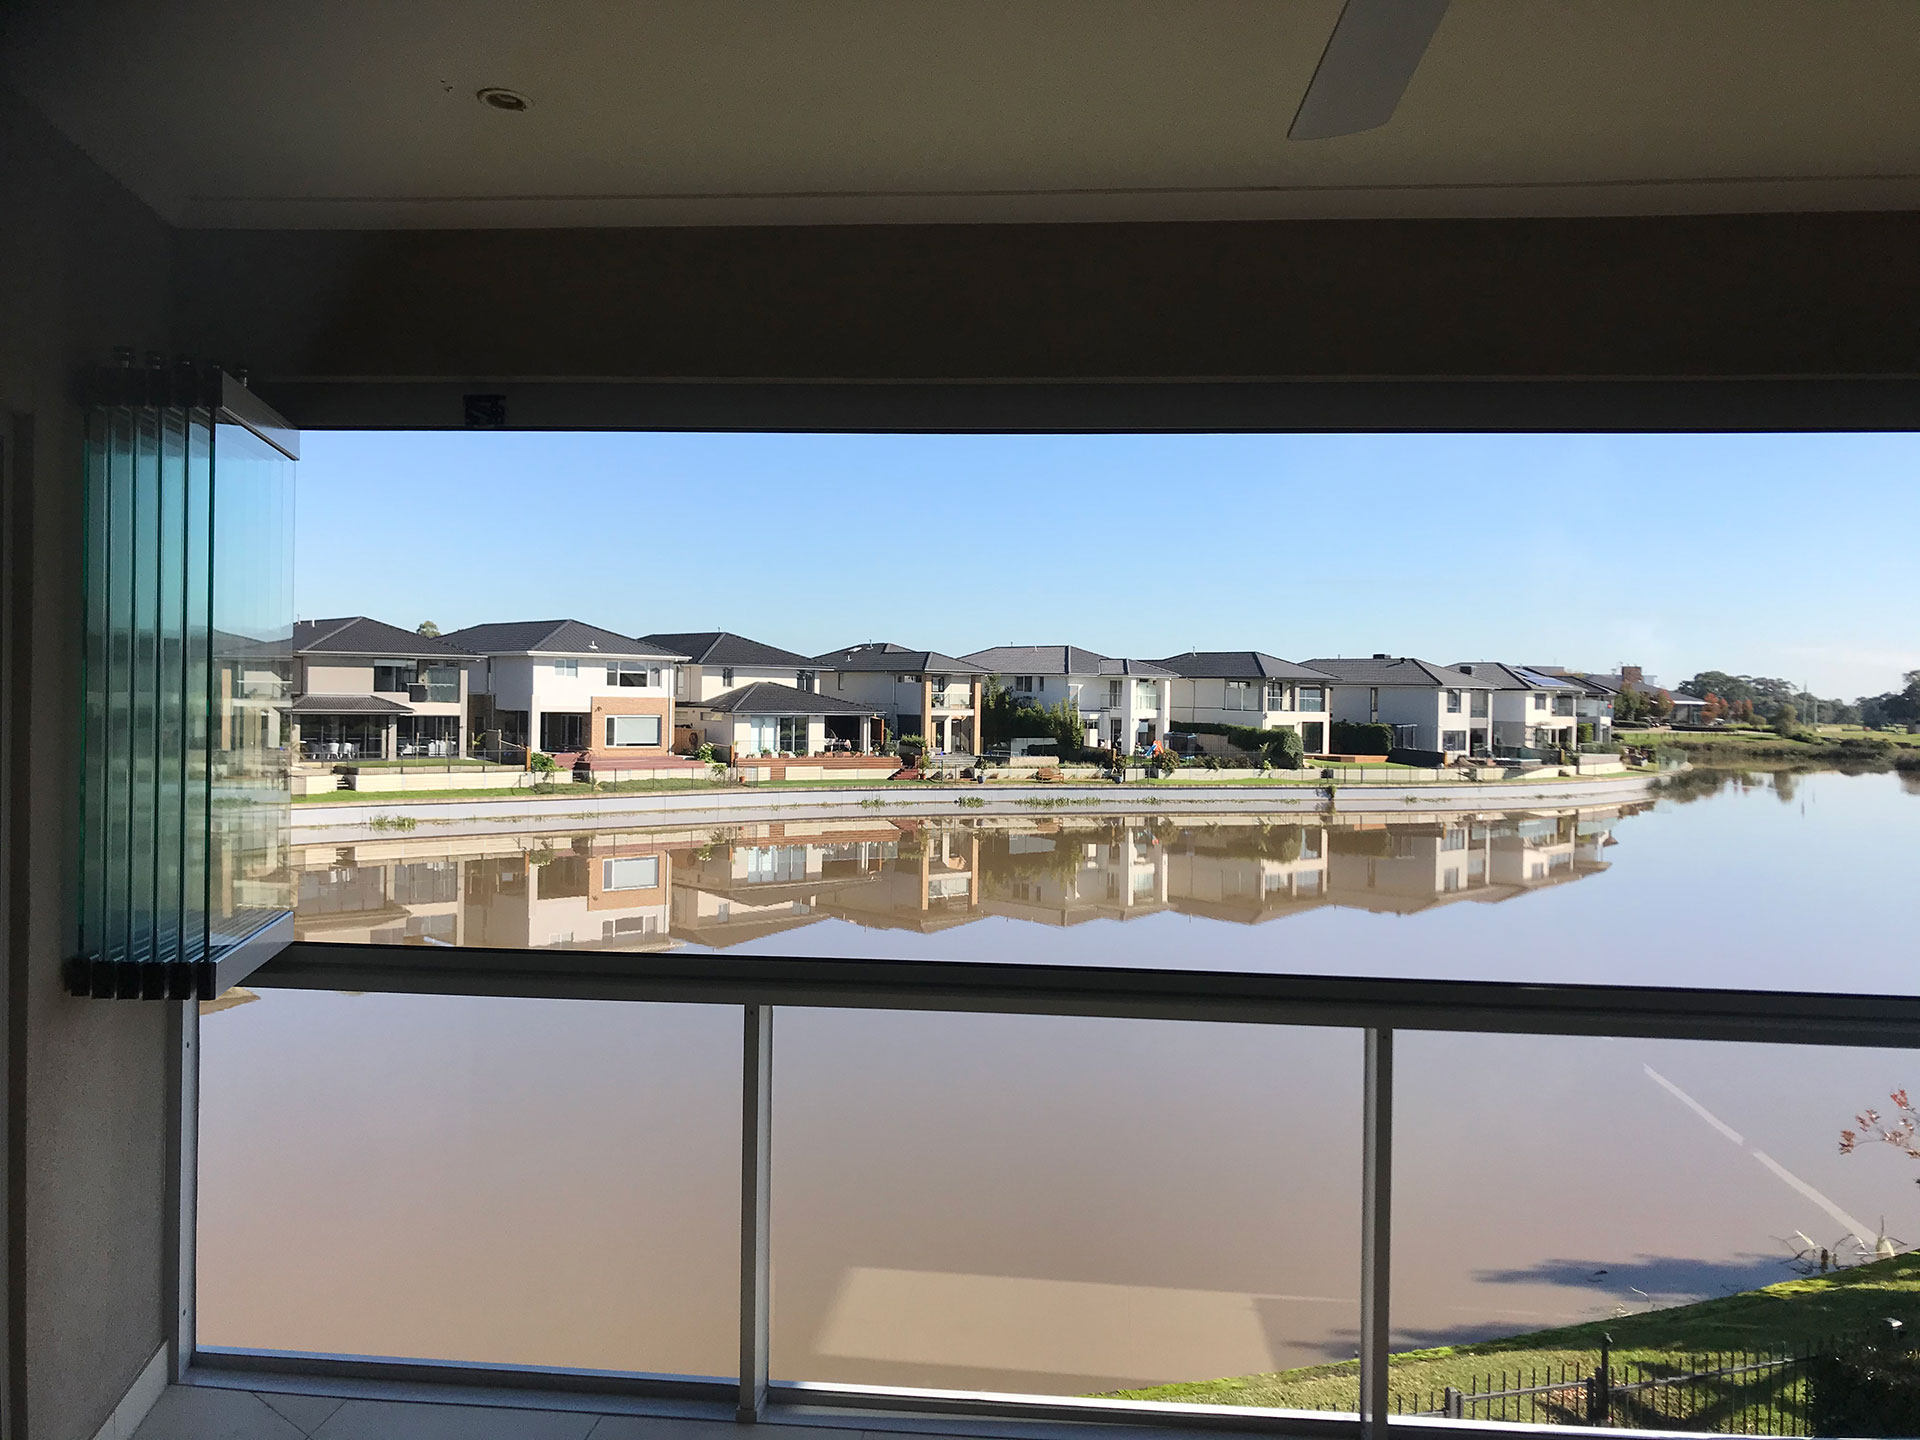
556 637
880 656
1514 677
347 705
1398 670
1238 665
723 647
763 697
1060 660
358 635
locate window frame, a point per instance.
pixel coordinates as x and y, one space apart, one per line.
613 726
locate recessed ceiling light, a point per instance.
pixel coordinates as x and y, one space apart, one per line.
503 99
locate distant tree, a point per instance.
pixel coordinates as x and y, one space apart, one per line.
428 629
1743 711
1660 704
1730 688
1786 719
1715 708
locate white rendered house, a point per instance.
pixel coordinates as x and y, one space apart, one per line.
1249 687
1125 704
1430 707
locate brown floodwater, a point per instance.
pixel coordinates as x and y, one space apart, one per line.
1042 1204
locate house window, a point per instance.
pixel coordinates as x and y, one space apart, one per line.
563 733
630 872
1239 695
1113 694
793 734
1146 695
566 667
680 684
1453 739
1311 697
1276 695
1539 701
627 730
940 690
726 677
778 733
393 679
1373 703
1453 702
804 680
442 682
1563 704
1023 684
631 675
840 681
1478 706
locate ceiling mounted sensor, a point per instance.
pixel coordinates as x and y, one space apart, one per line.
512 101
1375 48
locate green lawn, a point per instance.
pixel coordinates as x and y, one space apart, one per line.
1794 1312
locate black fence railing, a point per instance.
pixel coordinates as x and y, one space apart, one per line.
1728 1392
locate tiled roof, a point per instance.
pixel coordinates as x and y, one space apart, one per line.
723 647
763 697
348 705
1060 660
1398 670
358 635
1513 677
1238 665
556 637
881 656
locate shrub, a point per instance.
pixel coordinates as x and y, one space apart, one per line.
1352 737
1868 1387
541 764
1585 732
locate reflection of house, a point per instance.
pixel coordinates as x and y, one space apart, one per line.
1125 704
913 692
367 690
767 719
1246 871
1430 707
571 689
718 661
1531 710
1105 870
1247 687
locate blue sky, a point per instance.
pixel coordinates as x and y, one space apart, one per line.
1778 555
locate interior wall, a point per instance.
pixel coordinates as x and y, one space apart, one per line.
86 267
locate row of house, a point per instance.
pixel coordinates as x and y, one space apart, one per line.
614 704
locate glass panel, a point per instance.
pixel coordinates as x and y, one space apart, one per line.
253 671
170 748
145 759
118 740
535 1182
1063 1206
94 806
196 809
1551 1192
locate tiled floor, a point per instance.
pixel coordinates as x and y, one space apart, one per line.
218 1410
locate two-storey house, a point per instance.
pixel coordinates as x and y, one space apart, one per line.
1430 707
366 690
718 661
1125 704
1252 688
910 692
1531 710
571 690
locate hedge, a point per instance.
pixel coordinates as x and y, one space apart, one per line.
1280 747
1351 737
1871 1387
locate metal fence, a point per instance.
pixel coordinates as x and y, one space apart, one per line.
1731 1392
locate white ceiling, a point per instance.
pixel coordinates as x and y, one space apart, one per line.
361 113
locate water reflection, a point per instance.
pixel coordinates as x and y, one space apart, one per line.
716 888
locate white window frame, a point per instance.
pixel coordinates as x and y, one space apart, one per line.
615 868
616 723
568 669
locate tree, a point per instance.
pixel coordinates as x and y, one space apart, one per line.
1786 720
428 629
1660 704
1714 709
1730 688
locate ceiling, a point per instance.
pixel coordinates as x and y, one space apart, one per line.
362 113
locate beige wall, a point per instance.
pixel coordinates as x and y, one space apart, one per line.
87 1111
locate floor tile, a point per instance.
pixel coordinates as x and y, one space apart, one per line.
392 1420
201 1412
307 1412
674 1427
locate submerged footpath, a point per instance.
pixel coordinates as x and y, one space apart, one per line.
320 823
